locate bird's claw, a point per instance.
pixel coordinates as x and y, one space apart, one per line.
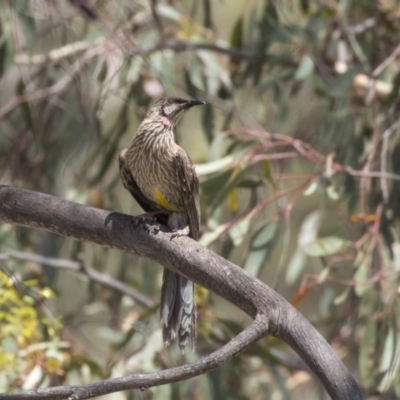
180 232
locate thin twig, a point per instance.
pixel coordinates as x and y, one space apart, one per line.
314 156
378 70
57 88
80 268
385 145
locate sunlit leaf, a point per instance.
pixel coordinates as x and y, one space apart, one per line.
233 201
33 378
209 237
239 231
343 296
212 71
305 68
309 228
325 246
295 266
260 248
168 11
312 187
213 167
388 351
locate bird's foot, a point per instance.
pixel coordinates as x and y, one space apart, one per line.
180 232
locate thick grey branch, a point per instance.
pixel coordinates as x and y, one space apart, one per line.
191 259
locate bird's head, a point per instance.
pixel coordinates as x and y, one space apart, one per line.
169 110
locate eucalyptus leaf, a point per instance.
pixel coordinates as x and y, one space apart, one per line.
295 266
362 275
342 297
260 248
28 25
325 246
237 34
366 356
389 350
207 119
210 237
216 166
305 69
239 231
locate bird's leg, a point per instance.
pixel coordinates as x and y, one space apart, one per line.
153 214
148 215
180 232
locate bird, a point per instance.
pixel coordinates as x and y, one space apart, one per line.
160 176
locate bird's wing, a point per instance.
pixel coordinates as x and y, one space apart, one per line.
132 187
189 186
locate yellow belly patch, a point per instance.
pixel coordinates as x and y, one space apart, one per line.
162 201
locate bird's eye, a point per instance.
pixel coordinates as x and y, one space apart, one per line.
169 108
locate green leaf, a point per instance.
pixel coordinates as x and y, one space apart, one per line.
210 237
225 186
250 183
207 118
362 275
27 24
366 356
168 12
212 70
305 68
214 184
239 231
267 171
324 246
260 248
389 350
233 200
295 266
101 76
342 297
207 14
280 77
312 187
215 166
237 35
6 48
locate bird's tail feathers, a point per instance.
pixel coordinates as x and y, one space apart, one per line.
178 310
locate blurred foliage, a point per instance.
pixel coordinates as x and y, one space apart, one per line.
30 347
298 155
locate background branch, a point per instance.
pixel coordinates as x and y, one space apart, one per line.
250 335
82 268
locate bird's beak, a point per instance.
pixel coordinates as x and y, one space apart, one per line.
191 103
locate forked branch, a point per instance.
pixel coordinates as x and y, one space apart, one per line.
272 314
